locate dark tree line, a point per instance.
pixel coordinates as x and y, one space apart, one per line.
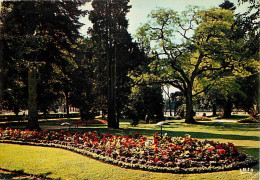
37 35
41 40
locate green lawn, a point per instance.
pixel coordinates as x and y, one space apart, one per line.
59 163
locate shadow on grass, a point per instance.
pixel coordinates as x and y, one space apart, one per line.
170 132
150 129
44 175
235 117
253 152
6 174
13 174
230 126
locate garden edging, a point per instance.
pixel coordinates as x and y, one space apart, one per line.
249 160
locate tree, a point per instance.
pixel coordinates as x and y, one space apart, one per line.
227 5
85 93
115 53
223 94
250 87
39 32
145 101
206 52
228 91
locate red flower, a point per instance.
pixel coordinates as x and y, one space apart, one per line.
221 151
95 139
230 144
178 147
210 149
156 149
218 146
137 134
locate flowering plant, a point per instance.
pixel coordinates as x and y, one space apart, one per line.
137 151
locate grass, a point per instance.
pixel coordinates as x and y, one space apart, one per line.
58 163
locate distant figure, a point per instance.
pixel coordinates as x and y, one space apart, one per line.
204 115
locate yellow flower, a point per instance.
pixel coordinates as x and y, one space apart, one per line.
187 152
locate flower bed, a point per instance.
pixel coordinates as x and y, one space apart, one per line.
170 154
97 121
202 118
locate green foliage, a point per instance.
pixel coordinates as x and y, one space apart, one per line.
85 92
113 55
145 100
250 88
207 49
240 91
33 32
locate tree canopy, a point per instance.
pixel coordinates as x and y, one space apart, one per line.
205 52
197 51
116 54
38 31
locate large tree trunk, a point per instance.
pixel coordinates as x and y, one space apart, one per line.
1 74
85 114
227 108
189 108
16 112
111 114
32 95
111 117
67 103
118 115
175 107
170 107
214 110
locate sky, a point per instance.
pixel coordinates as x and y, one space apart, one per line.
141 8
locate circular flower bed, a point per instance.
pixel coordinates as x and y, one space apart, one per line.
168 154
